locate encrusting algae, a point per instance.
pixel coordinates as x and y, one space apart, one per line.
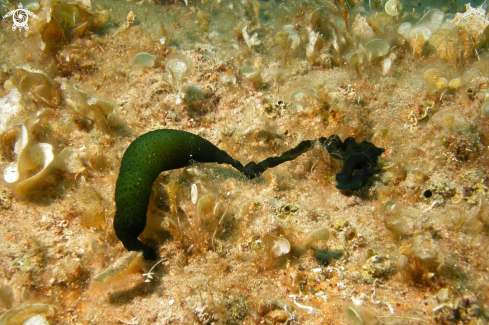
381 220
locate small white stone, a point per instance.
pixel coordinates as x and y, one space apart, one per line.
36 320
194 193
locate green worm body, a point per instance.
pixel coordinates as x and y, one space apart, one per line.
160 150
144 159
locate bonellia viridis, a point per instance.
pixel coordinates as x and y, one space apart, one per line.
162 150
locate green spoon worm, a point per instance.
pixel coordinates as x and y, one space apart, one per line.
145 158
161 150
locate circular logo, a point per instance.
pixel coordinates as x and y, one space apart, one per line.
20 16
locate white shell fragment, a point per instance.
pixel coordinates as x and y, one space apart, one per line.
316 235
377 48
386 66
36 320
354 316
361 27
393 7
280 247
432 75
145 59
295 41
446 43
194 193
178 68
485 110
455 83
92 108
30 157
11 173
42 155
473 20
404 29
38 84
314 45
250 40
20 315
117 268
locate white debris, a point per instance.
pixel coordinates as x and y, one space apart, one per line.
250 40
10 106
36 320
473 20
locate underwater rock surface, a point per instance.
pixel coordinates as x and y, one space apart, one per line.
403 83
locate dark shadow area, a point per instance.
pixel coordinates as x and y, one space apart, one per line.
325 258
142 289
51 189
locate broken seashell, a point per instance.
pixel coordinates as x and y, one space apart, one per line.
441 83
485 110
314 46
386 66
393 7
447 43
37 85
20 315
432 75
250 40
103 112
205 207
178 66
194 193
252 76
287 40
354 316
355 60
361 27
377 48
280 247
473 20
316 235
404 29
145 59
455 83
298 95
125 264
418 36
36 320
381 22
11 173
432 20
42 155
70 20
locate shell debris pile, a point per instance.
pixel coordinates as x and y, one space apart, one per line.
255 78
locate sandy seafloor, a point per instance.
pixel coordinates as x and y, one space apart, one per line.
409 248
